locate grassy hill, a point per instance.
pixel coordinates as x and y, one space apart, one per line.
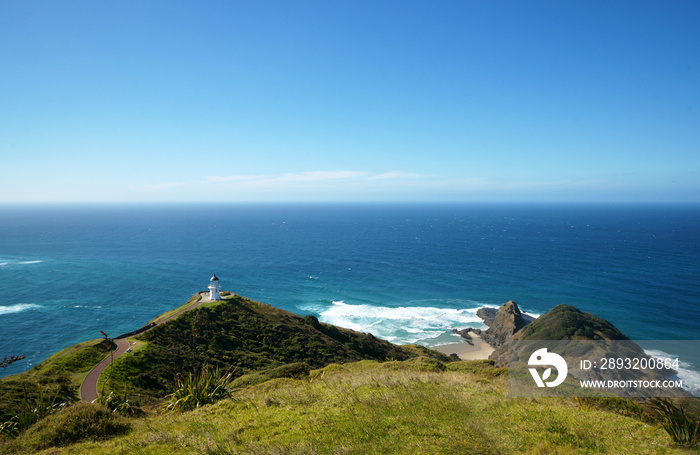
301 386
60 375
401 407
565 322
243 336
236 333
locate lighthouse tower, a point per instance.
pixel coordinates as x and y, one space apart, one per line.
214 288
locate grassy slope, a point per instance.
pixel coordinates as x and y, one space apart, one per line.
565 322
243 335
419 405
237 332
61 373
391 407
192 301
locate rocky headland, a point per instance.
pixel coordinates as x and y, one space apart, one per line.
569 332
502 323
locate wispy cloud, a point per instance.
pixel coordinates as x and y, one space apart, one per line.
311 177
352 184
235 178
398 175
551 184
161 186
321 176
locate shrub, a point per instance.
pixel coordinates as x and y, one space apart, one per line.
312 320
74 424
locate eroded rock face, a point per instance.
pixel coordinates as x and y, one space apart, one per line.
488 314
507 320
562 322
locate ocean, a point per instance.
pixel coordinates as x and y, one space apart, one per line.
408 273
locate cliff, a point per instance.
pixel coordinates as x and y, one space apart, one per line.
563 322
503 324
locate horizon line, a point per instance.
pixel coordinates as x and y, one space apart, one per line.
347 202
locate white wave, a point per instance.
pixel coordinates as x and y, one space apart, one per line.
14 262
402 325
17 308
686 371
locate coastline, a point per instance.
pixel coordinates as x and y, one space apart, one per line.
478 350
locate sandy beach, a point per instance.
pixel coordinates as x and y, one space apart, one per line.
479 350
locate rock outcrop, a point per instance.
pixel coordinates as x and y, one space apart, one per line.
488 314
505 322
562 322
574 334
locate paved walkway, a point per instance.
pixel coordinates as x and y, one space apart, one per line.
88 389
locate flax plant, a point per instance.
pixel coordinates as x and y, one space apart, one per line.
197 389
30 413
682 428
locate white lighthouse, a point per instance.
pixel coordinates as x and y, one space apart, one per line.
214 288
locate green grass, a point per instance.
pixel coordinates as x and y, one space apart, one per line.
192 301
61 373
392 407
76 423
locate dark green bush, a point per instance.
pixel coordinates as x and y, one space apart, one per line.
312 320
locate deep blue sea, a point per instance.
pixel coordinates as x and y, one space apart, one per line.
405 272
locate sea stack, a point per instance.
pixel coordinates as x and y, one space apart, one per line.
507 320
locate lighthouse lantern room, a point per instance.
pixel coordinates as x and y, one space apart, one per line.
214 288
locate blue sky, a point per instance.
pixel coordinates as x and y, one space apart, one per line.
150 101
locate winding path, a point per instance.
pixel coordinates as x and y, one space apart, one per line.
88 389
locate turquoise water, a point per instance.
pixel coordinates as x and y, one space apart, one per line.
407 273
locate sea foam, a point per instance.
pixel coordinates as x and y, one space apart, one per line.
5 263
686 371
17 308
403 324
